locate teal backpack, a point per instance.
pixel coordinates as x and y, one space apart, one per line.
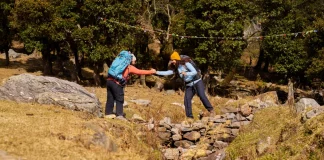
119 65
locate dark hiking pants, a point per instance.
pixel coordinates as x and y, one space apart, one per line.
115 93
190 92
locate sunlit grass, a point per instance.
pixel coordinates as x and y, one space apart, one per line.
289 138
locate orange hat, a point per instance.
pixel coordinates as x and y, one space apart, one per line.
175 56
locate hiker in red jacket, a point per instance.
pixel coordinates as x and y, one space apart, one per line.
115 91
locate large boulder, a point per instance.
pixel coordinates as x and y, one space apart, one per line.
13 54
50 90
268 99
305 104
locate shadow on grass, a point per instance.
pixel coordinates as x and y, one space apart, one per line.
30 64
35 64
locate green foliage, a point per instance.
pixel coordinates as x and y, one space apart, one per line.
290 55
91 28
109 38
87 24
212 19
5 33
316 69
316 48
34 22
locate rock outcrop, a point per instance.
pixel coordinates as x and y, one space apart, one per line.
50 90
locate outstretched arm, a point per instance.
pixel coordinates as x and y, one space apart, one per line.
134 70
165 73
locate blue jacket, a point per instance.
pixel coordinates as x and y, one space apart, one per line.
191 72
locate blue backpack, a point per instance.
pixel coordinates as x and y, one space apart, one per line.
119 65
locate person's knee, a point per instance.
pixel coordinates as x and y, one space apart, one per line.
121 99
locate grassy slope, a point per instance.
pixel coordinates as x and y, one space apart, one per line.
36 131
290 139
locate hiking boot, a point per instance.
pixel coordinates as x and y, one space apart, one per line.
212 113
110 116
190 120
205 114
121 118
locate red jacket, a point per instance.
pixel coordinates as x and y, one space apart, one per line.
133 70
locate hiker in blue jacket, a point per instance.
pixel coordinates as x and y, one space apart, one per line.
192 81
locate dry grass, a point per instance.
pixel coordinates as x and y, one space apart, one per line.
34 131
160 106
290 139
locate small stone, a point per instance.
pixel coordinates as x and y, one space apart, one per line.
192 136
170 92
246 110
230 115
137 118
164 135
171 153
141 102
110 116
262 146
176 137
219 120
162 129
235 132
220 144
236 125
150 126
183 143
186 129
229 110
175 131
250 117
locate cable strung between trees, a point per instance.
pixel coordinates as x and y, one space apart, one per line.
219 38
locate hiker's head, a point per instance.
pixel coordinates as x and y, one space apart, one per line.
133 59
174 57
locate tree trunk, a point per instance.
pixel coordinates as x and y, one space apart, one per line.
59 59
206 79
260 60
47 63
290 98
82 61
96 74
7 56
229 77
77 68
142 80
77 65
266 65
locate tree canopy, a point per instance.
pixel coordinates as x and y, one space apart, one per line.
210 31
